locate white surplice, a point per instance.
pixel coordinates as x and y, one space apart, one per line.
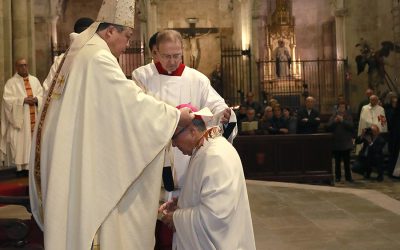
371 116
101 160
214 210
191 87
16 120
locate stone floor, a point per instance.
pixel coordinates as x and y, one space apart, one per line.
360 215
347 216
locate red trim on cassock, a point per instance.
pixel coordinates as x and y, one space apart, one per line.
177 72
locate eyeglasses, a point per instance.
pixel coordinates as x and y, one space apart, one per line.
169 57
177 134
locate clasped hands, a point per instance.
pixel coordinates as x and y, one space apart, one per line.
167 210
30 100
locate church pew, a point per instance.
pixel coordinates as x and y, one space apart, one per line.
287 158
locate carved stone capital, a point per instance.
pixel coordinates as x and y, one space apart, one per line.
341 12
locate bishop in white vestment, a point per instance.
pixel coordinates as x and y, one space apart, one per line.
99 147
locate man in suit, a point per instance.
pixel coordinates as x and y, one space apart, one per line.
308 118
371 153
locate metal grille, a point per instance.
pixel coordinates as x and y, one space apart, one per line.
132 58
236 74
322 79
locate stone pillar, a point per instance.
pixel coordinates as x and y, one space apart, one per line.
23 32
340 13
149 25
6 62
396 31
54 37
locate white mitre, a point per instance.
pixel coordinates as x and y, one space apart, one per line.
121 12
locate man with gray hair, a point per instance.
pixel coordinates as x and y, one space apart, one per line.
22 99
372 114
308 118
213 210
172 81
93 158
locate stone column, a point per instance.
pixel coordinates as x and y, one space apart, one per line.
152 20
6 62
149 25
396 31
54 37
23 44
340 13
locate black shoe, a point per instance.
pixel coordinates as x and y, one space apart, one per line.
379 178
349 180
337 179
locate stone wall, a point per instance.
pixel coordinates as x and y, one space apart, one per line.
211 13
42 38
312 34
373 22
74 10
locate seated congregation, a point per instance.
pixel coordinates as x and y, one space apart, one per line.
369 138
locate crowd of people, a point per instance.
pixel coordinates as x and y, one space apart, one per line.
373 133
276 119
100 141
96 143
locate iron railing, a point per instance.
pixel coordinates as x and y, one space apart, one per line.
236 74
322 79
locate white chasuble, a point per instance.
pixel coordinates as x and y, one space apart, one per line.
102 151
214 210
16 121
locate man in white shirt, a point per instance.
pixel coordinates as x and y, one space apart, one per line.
173 82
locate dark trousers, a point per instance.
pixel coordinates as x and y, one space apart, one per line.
371 161
394 148
345 156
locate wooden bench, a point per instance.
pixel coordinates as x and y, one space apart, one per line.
288 158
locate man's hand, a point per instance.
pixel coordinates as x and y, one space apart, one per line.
227 115
186 117
167 210
30 100
169 206
168 219
338 118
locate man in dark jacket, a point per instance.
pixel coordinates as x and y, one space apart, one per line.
371 153
308 118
